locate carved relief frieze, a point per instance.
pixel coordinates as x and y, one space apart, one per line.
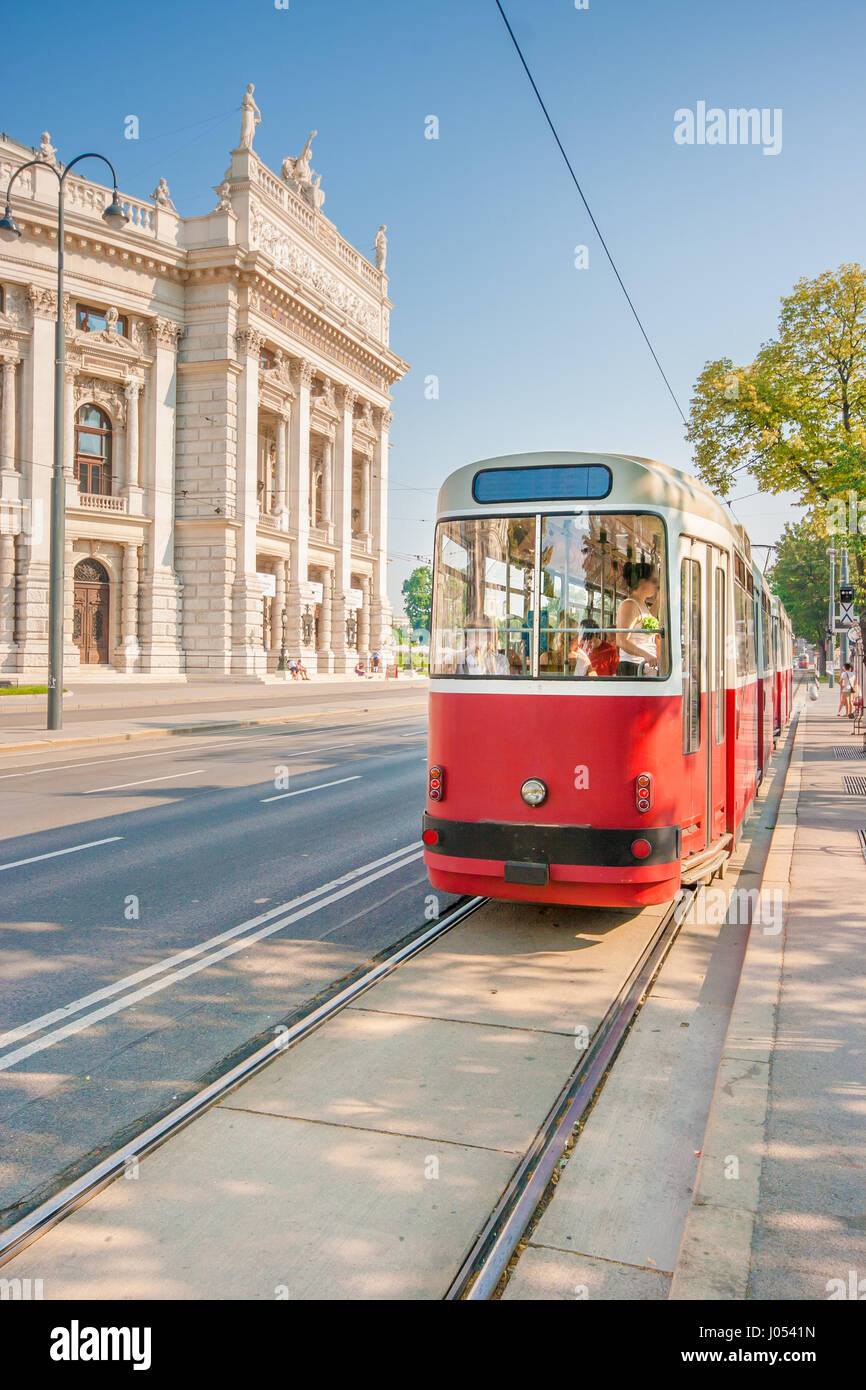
267 237
106 394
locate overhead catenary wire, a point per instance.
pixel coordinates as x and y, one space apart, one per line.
596 227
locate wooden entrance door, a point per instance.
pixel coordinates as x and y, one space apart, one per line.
90 618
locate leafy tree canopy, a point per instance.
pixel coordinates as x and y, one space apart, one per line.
418 596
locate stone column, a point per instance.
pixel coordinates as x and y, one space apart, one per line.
299 492
248 654
35 409
7 426
7 597
159 587
365 500
127 658
133 492
11 519
279 612
364 625
70 650
327 484
326 655
382 615
282 489
342 500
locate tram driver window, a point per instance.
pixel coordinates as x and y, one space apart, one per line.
570 597
603 599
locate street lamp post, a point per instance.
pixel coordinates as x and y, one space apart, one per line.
116 219
831 625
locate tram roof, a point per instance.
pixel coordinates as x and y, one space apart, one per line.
636 481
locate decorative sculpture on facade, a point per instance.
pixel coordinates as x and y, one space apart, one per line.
381 244
160 196
251 116
224 194
301 177
47 152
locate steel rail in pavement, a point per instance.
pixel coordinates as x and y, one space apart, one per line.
488 1259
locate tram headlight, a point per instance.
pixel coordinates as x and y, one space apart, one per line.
533 791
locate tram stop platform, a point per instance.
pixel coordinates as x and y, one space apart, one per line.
779 1206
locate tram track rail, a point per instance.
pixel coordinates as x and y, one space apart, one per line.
484 1268
17 1237
486 1265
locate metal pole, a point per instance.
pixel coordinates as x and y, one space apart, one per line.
832 620
843 579
56 582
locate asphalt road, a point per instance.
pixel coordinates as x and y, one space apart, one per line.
165 907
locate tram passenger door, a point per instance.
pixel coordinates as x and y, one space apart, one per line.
716 712
704 629
693 629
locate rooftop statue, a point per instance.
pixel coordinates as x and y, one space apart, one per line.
251 116
301 177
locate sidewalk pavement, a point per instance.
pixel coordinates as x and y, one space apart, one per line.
144 710
779 1206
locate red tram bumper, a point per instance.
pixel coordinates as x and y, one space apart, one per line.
582 865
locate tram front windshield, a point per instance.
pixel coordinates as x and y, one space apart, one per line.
570 597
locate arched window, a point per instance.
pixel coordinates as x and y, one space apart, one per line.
93 450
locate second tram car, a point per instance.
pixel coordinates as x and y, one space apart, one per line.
604 676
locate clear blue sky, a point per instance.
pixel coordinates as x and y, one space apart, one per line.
530 352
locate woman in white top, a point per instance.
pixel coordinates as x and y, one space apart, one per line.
639 648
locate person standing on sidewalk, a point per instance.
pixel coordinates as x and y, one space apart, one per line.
846 691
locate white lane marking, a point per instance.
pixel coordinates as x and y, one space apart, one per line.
34 1026
145 781
54 853
69 1029
281 796
181 751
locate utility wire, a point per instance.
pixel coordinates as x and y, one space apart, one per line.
589 210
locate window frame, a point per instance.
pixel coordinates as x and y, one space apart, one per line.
104 462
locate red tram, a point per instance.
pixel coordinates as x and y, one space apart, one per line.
607 672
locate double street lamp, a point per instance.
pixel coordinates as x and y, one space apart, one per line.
116 219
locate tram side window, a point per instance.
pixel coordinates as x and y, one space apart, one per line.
482 598
766 620
719 657
744 617
690 618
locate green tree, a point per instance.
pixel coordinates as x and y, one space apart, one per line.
800 576
418 597
795 418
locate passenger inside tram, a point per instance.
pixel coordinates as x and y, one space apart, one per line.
639 647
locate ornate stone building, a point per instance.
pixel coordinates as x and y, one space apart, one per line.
226 427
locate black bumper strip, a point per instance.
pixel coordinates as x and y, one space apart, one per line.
552 844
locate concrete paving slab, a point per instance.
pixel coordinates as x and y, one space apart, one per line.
713 1260
557 1275
539 967
627 1188
243 1206
399 1074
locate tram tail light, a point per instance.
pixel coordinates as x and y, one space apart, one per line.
643 792
436 784
641 848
